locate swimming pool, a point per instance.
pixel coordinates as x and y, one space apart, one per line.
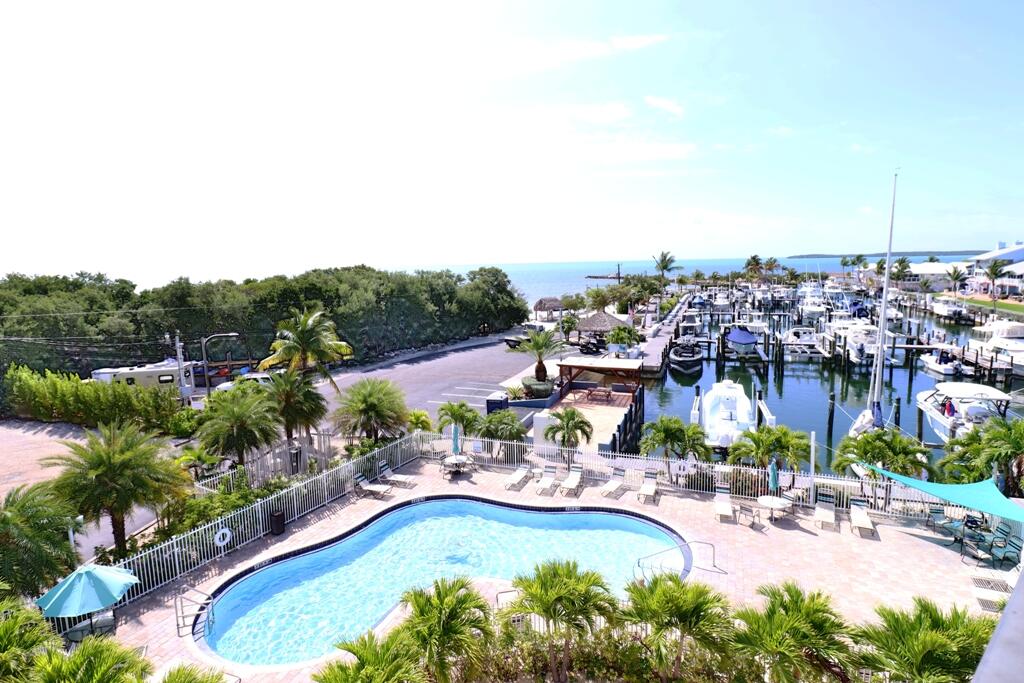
299 607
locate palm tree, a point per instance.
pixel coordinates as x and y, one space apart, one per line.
305 342
664 263
449 625
461 415
372 407
239 421
901 269
880 268
569 601
715 277
566 428
771 264
598 298
1002 446
419 419
95 660
541 345
197 461
34 548
503 425
965 462
754 267
845 263
859 262
885 448
676 437
795 636
957 278
766 443
677 614
298 402
698 275
391 660
925 643
187 673
925 285
994 272
623 334
24 634
792 274
932 258
118 468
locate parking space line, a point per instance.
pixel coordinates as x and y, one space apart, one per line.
469 403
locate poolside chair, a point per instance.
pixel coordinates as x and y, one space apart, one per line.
649 489
937 517
750 512
998 537
860 520
548 481
825 510
362 486
519 477
574 482
389 477
1011 551
723 503
615 483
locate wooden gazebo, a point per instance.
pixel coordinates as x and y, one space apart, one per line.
626 370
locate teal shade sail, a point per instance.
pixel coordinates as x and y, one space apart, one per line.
982 496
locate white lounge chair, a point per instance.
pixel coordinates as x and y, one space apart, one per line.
825 511
363 486
615 483
389 477
723 503
548 481
859 517
518 477
574 482
649 489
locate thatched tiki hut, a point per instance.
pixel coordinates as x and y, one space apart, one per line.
549 305
600 323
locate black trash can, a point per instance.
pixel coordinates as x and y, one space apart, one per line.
277 522
295 452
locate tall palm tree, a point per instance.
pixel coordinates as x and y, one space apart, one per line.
925 285
795 636
766 443
965 461
925 643
598 298
957 278
95 660
503 425
677 614
901 269
886 448
24 634
664 263
754 267
298 402
792 274
540 344
461 415
570 602
880 268
391 660
932 258
372 407
34 548
994 272
567 427
305 342
698 276
187 673
449 625
676 437
420 419
118 468
859 262
1002 446
771 264
239 421
844 263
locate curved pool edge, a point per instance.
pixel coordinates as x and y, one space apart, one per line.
199 639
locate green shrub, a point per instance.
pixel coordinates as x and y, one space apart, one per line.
183 423
58 397
184 515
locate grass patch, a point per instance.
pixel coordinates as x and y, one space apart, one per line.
1000 306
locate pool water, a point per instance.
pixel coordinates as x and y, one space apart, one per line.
299 608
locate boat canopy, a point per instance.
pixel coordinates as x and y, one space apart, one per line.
961 390
982 496
740 335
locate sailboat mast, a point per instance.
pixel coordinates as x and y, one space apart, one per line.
876 380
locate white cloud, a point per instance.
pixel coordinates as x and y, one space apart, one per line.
636 42
665 104
866 210
781 131
858 148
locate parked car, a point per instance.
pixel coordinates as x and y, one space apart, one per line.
258 377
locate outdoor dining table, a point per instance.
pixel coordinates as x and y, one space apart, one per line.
773 503
457 463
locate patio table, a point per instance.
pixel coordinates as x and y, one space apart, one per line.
773 503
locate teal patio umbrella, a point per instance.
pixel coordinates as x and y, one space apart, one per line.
773 476
455 439
90 588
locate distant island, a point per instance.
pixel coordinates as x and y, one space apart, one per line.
956 252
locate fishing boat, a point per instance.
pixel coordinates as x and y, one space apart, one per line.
754 321
799 341
741 340
948 308
690 324
1003 339
862 342
954 408
726 413
722 302
943 361
811 307
687 356
699 302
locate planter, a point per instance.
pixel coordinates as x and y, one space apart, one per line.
535 389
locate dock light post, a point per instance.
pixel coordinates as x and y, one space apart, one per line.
206 364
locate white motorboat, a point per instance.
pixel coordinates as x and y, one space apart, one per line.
740 339
726 413
799 340
690 324
861 341
687 356
942 361
811 308
755 321
722 301
1002 338
954 408
948 308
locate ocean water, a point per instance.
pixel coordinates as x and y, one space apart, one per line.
536 280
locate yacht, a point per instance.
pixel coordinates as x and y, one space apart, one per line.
756 322
948 308
799 340
1002 338
690 324
722 302
725 413
954 408
811 307
740 339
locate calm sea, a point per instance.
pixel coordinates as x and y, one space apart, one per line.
536 280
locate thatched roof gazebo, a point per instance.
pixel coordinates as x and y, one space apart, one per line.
600 323
549 305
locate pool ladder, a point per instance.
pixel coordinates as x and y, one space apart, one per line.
647 566
189 604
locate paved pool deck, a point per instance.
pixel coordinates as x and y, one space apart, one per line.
860 573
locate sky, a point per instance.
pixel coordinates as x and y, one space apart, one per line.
244 139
